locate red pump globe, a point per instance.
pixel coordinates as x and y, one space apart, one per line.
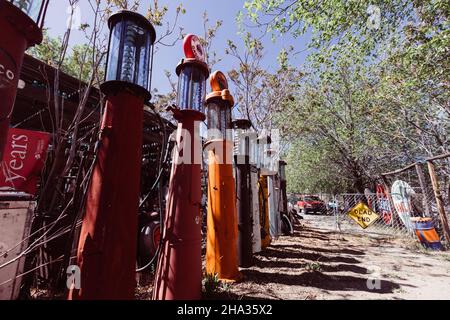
193 48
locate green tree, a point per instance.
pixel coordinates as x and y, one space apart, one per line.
375 96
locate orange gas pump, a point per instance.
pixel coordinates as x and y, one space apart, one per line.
222 230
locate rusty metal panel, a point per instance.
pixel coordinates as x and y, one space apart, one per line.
15 225
255 211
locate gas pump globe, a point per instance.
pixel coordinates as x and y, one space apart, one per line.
130 54
267 157
271 162
35 9
192 73
245 141
220 102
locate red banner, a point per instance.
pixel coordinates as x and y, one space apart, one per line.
23 160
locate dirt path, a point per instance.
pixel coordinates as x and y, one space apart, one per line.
319 263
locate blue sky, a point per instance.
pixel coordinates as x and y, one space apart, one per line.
168 57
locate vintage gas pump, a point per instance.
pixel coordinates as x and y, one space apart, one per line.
179 270
108 238
243 187
254 184
262 145
286 222
222 232
273 190
21 23
283 186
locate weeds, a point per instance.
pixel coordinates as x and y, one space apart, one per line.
214 288
314 266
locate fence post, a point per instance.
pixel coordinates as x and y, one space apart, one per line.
386 183
424 189
439 200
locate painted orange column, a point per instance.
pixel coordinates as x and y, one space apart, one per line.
222 230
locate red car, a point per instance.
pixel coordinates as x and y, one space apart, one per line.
312 204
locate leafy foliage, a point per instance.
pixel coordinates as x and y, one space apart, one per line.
374 96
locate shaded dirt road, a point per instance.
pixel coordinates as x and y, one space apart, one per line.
320 263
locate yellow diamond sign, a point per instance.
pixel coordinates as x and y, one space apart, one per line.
362 214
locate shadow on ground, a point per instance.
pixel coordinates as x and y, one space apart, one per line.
320 264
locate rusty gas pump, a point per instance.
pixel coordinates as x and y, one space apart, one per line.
179 269
254 193
108 238
243 141
262 146
222 232
287 227
21 23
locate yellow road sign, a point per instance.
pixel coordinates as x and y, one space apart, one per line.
362 214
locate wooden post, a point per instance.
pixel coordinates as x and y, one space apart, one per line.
424 189
439 200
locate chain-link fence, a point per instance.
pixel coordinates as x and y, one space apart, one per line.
396 214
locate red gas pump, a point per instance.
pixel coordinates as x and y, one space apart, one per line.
21 25
179 270
108 238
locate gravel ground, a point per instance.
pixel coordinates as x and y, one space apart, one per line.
319 263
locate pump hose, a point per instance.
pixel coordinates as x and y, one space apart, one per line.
162 161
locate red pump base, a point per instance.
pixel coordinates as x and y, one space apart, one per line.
108 239
179 271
